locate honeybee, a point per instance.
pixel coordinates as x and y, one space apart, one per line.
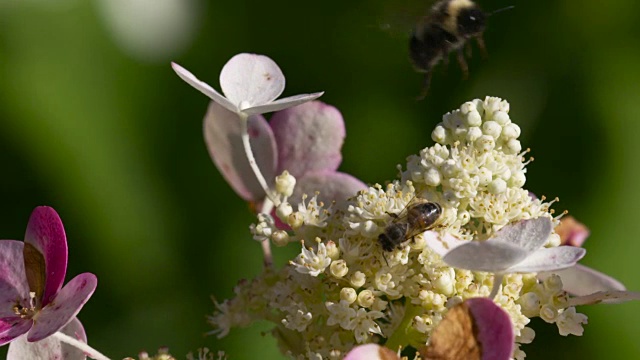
418 216
447 27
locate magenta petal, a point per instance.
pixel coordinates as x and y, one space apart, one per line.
13 281
309 138
46 234
50 348
333 186
11 328
580 280
222 130
494 329
63 307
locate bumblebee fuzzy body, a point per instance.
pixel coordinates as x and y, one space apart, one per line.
447 27
416 218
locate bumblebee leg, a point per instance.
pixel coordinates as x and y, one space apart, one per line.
468 49
463 64
425 86
483 49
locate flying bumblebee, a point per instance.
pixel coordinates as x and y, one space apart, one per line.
418 216
446 28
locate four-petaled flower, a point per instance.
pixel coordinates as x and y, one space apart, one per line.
33 302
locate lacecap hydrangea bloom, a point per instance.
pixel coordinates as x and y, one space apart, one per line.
343 289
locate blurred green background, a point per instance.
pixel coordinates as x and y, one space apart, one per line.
94 122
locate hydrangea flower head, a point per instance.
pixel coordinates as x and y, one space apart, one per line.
343 289
34 302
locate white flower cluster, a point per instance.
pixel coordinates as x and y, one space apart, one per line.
345 290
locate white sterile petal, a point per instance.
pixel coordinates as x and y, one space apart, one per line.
606 297
528 234
203 87
491 255
441 245
580 280
284 103
251 78
548 259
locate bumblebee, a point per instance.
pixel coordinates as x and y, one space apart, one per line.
447 27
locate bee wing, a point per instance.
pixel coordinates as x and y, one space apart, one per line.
400 17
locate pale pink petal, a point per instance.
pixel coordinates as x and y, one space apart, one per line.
45 234
222 131
13 280
309 138
371 352
249 80
281 104
13 327
494 329
50 348
580 280
441 245
203 87
492 256
63 307
528 234
333 186
549 259
606 297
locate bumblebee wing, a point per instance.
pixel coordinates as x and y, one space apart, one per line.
400 17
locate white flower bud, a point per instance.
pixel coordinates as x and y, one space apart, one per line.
348 294
548 313
530 303
366 298
449 168
295 220
501 117
339 268
358 279
439 134
432 177
554 240
280 238
485 143
492 129
526 335
332 250
284 210
473 134
510 131
505 175
474 118
497 186
512 146
517 179
285 183
553 284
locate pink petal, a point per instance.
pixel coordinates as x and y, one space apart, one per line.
45 253
491 256
64 306
309 138
12 328
252 79
50 348
528 234
371 352
549 259
580 280
572 232
494 329
222 130
333 186
203 87
13 280
281 104
439 245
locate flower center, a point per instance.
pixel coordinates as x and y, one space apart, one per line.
26 312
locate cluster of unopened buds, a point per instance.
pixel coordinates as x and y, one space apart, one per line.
380 275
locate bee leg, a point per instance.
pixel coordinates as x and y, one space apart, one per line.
468 49
463 64
385 259
483 49
425 86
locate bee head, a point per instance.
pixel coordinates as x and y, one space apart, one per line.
471 22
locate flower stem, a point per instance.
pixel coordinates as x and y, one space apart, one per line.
267 206
84 347
244 120
497 282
